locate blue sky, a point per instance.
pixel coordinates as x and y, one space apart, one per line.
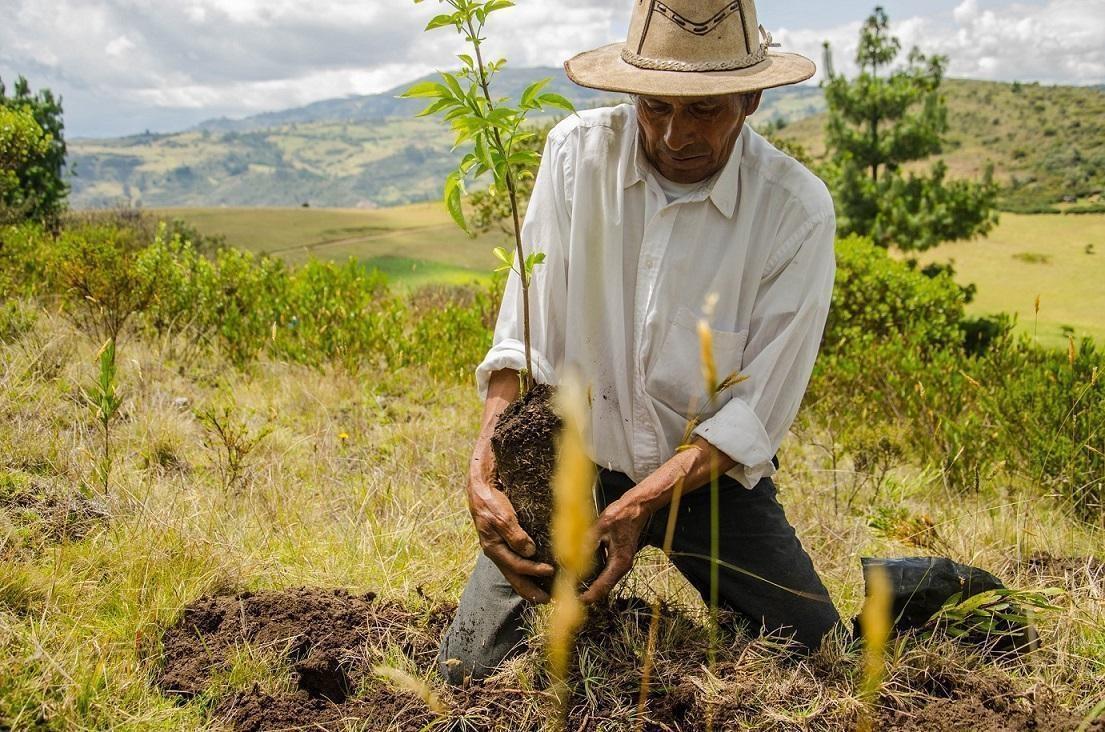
123 66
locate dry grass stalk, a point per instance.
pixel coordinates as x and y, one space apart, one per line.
875 622
403 680
573 516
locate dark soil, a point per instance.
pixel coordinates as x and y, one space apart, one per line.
1000 713
327 637
524 443
324 635
54 514
1073 572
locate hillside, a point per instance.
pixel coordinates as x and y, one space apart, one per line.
365 151
1047 143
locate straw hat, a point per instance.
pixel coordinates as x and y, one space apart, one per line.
686 48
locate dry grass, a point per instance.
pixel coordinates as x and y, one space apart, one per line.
382 509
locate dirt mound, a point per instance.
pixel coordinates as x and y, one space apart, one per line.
982 701
327 638
255 711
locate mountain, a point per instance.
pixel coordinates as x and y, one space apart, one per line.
360 151
1046 143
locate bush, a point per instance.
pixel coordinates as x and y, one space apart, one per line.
878 298
335 313
93 269
23 270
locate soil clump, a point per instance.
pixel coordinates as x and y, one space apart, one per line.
524 443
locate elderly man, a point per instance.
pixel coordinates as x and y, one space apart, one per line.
645 211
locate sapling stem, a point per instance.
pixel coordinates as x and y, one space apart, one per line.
508 176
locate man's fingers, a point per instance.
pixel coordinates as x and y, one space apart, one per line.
526 589
517 539
615 569
507 560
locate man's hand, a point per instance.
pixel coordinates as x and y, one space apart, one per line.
502 539
620 525
618 529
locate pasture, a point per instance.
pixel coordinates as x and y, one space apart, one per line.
1058 258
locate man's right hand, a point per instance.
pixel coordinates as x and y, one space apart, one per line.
502 539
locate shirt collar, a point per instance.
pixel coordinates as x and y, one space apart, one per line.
722 192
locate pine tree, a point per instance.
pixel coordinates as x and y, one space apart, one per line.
880 121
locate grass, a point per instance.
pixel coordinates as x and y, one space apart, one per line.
414 244
1037 255
382 509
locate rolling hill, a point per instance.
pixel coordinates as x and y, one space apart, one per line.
1046 143
366 151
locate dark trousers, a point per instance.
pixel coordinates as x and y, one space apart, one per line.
764 576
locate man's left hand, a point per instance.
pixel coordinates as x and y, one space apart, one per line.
618 529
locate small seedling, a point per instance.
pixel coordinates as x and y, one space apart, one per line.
105 401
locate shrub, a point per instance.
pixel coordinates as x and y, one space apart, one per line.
93 268
335 313
878 298
22 264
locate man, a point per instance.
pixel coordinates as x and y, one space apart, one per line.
644 213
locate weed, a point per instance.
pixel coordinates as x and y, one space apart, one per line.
233 439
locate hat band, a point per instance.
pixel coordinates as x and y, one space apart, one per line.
663 64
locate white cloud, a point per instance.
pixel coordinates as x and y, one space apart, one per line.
243 56
1060 41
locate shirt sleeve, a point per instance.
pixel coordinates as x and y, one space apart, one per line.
545 229
784 336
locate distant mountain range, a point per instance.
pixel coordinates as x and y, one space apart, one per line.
361 151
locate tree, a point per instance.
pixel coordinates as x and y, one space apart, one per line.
21 141
879 122
41 190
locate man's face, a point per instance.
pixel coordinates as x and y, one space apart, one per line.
688 139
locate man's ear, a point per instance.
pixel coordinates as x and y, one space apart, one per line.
752 102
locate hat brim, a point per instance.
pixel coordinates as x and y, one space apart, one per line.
603 68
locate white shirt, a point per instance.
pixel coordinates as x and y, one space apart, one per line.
625 278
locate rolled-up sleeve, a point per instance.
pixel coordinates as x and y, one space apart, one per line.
546 225
784 336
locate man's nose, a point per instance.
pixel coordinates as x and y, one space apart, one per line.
678 134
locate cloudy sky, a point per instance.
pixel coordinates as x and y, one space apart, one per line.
123 66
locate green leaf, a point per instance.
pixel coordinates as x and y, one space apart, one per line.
555 100
425 89
503 256
466 60
493 5
532 90
441 20
453 84
454 187
435 107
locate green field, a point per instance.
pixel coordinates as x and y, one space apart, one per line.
1038 255
419 244
414 244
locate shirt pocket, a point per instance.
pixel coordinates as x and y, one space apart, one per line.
675 378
